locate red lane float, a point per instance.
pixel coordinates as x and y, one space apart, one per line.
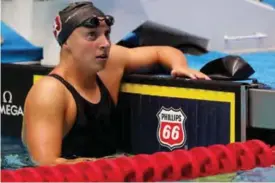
273 152
166 168
188 166
90 171
129 168
208 162
226 160
245 160
162 166
261 151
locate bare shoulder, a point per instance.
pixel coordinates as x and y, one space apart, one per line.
47 87
47 91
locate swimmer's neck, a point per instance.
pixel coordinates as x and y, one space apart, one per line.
77 77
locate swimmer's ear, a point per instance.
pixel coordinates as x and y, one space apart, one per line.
65 45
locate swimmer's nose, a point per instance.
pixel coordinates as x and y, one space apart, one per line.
104 42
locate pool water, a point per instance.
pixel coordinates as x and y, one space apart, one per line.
14 154
255 175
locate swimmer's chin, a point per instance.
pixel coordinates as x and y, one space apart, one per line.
98 67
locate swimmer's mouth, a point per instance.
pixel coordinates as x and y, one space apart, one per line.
102 56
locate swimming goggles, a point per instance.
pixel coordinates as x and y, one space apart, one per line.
95 21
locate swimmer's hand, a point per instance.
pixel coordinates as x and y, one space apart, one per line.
187 72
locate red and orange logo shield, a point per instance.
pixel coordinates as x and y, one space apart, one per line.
171 128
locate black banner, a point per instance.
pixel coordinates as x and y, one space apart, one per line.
151 110
16 83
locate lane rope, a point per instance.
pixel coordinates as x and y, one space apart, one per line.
161 166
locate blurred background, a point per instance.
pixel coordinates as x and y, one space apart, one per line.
235 25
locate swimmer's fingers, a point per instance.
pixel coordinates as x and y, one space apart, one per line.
200 75
191 73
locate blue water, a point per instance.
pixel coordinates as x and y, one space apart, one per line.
13 154
256 175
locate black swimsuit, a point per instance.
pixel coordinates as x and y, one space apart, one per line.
93 133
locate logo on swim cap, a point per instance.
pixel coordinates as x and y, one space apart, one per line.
57 27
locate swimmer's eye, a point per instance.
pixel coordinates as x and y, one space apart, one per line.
91 35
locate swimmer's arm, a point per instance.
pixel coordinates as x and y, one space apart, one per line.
71 161
43 123
135 58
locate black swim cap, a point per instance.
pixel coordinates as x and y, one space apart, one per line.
75 15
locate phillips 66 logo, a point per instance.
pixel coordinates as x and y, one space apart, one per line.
171 131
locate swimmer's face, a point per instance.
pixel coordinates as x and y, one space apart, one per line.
90 47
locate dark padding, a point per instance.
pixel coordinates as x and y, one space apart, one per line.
230 67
